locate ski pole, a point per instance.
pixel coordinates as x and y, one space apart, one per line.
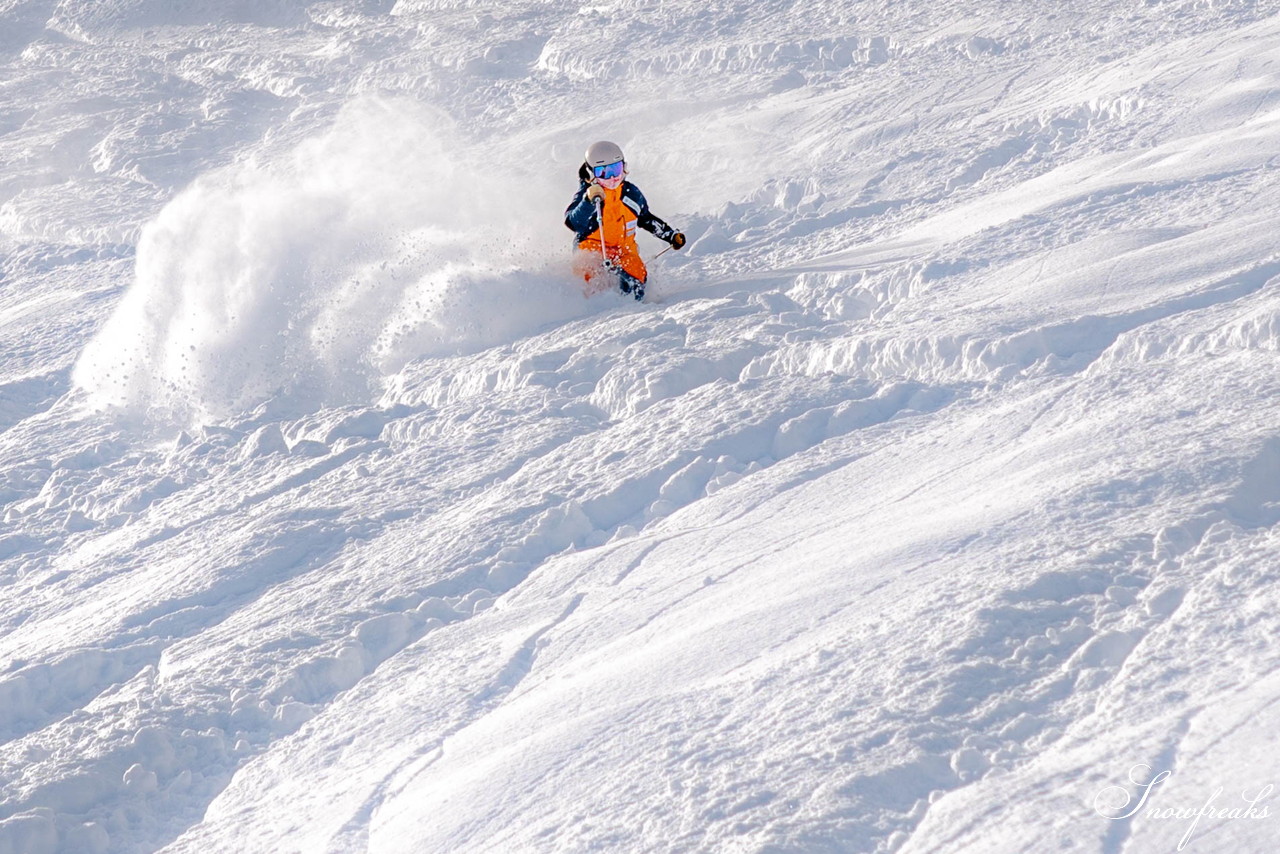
660 254
604 254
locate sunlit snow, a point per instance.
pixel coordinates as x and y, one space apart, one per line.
931 502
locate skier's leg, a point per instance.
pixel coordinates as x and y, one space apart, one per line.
631 271
630 285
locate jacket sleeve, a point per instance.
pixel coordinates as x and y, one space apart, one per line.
580 216
644 217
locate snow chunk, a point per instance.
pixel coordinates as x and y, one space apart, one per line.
385 635
969 763
265 441
89 838
1108 649
140 780
31 832
289 717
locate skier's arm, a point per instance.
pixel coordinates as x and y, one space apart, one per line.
646 220
580 216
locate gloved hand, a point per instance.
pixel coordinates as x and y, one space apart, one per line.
677 240
595 194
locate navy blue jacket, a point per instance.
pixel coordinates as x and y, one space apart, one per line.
581 217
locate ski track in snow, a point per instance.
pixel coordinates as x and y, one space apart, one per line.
934 491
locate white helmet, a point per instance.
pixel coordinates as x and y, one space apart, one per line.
603 153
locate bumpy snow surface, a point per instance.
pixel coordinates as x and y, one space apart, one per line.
932 503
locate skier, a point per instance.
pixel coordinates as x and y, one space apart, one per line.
605 196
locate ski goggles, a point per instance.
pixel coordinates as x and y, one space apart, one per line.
611 170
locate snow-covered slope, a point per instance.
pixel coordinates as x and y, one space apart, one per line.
929 506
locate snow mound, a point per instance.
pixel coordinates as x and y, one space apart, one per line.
305 282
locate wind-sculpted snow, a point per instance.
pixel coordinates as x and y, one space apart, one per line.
305 282
930 497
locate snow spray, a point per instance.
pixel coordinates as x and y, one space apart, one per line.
307 280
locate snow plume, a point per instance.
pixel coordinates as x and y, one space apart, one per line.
304 283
